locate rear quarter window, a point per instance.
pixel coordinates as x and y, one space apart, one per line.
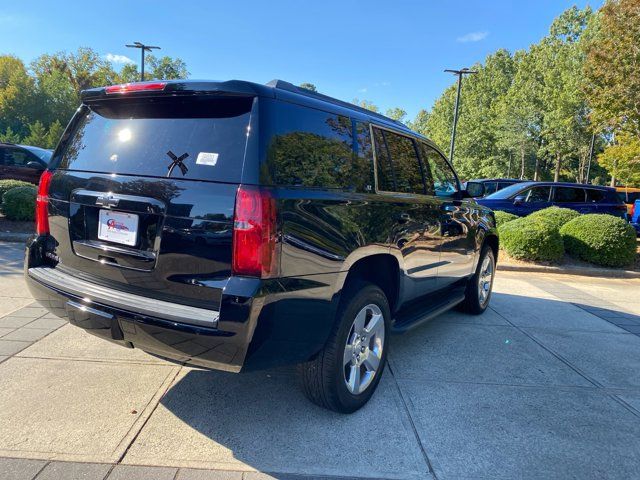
306 147
143 136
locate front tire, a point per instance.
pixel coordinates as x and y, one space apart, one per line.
346 372
480 286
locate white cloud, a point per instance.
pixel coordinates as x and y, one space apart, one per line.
122 59
362 90
473 37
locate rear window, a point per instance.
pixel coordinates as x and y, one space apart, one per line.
193 138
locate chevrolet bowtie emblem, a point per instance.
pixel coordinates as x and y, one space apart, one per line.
177 162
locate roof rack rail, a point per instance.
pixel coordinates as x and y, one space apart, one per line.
290 87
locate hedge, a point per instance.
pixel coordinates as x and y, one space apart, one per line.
6 185
555 216
504 217
531 239
600 239
19 203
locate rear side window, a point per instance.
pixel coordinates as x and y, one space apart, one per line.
569 195
490 187
596 196
14 157
536 194
146 137
444 179
502 185
312 148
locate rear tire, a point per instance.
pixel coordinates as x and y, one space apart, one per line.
346 372
480 285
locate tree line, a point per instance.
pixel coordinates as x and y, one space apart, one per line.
38 100
530 114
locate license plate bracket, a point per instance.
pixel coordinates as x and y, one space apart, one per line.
118 227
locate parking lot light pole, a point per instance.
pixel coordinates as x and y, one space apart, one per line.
143 48
460 73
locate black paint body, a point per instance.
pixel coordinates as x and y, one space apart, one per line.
426 244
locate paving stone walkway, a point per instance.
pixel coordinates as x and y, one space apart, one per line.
544 385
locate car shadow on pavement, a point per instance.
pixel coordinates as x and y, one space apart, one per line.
262 421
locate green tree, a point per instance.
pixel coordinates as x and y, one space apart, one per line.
53 134
165 68
9 136
397 114
622 159
308 86
37 135
612 81
17 100
366 104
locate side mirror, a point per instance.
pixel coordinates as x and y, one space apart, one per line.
35 165
519 199
474 189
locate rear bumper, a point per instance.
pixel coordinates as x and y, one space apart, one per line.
260 323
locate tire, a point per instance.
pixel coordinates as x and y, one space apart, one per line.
474 302
336 379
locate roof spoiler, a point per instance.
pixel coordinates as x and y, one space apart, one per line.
170 87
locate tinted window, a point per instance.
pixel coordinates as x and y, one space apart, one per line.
384 169
536 194
595 196
406 165
490 187
14 157
502 185
569 195
629 197
312 148
441 174
134 136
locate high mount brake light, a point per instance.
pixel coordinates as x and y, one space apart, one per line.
254 233
135 87
42 203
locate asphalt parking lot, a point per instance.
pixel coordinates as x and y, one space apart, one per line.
545 385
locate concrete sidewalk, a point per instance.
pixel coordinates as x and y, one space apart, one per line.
546 384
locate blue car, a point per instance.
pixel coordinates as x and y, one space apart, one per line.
635 216
524 198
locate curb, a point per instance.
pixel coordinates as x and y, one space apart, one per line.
583 271
14 237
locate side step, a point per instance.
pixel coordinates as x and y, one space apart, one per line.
409 318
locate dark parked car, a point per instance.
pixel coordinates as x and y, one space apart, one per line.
492 185
23 162
239 226
527 197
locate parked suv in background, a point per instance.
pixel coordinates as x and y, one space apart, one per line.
527 197
239 226
492 185
22 162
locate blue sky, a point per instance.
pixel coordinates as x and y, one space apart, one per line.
392 53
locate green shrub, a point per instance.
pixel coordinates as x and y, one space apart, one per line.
19 203
504 217
555 216
6 185
601 239
531 239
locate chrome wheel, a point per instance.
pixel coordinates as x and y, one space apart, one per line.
363 350
485 280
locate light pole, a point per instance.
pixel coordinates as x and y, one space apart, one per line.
143 48
460 73
593 141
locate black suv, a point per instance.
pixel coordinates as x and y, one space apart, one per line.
239 226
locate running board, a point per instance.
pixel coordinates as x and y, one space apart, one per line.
412 319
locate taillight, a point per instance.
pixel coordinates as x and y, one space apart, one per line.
254 233
42 203
633 210
135 87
